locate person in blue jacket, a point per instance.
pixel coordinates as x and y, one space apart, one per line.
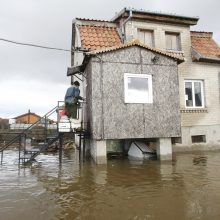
71 100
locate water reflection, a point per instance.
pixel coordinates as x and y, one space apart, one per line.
200 160
188 187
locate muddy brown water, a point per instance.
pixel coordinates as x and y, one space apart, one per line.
188 187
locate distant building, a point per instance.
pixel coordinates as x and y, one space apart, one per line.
27 118
4 124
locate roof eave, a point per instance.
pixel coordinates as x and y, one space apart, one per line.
118 15
31 113
197 57
93 22
73 70
81 68
209 60
179 61
170 18
134 43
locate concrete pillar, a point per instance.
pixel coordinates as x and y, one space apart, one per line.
76 140
186 137
99 151
164 149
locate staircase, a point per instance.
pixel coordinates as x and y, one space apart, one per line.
42 130
29 153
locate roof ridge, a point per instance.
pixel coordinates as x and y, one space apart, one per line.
201 34
92 25
134 42
91 19
28 113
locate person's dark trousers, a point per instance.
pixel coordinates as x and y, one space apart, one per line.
71 110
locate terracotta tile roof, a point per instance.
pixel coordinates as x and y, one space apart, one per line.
179 57
176 54
29 113
204 46
97 37
91 19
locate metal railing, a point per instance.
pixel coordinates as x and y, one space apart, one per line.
43 122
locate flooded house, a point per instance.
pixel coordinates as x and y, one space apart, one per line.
138 87
132 94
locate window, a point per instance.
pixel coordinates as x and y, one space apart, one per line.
172 41
198 139
138 88
176 140
146 37
194 97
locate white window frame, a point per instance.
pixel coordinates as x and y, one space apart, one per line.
148 99
193 95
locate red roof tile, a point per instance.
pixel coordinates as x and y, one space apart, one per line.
95 37
204 45
177 56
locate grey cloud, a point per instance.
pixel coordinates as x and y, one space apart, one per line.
49 23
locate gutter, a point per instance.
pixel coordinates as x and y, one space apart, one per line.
209 60
155 13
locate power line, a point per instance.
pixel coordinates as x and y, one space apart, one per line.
34 45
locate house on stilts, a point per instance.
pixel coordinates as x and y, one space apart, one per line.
147 77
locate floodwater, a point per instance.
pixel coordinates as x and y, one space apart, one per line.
188 187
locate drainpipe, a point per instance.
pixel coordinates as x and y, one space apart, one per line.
123 25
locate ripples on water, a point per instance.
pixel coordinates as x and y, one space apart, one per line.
186 188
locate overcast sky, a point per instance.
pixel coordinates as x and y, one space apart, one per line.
35 79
